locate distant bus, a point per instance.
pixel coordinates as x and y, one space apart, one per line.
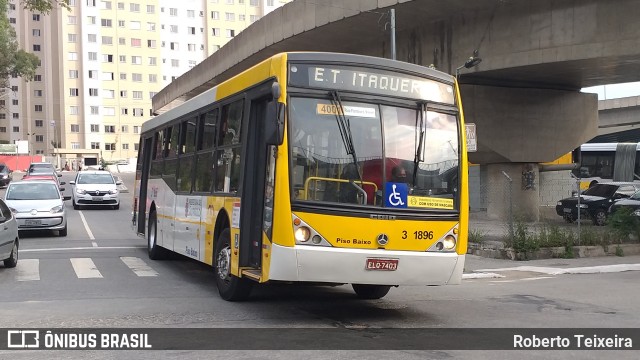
603 162
315 168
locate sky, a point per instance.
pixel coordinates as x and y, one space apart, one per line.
615 91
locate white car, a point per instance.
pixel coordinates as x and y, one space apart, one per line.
37 205
8 237
95 187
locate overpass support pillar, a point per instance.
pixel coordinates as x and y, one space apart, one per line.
512 190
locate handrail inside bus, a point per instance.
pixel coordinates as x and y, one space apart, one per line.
318 178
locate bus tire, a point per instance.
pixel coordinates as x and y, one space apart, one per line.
600 217
230 287
156 252
370 292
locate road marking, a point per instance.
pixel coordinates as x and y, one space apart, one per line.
483 275
138 266
86 226
28 269
83 248
85 268
94 244
576 270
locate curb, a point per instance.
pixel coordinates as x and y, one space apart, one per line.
494 251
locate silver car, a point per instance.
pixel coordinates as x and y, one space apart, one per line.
95 187
9 242
37 205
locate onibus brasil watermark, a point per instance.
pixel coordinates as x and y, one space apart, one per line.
575 341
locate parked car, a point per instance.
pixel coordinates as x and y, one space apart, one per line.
47 176
37 205
95 187
595 201
9 242
5 175
632 203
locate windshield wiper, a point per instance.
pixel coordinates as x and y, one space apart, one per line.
344 126
419 141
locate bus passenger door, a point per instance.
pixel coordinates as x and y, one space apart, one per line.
253 185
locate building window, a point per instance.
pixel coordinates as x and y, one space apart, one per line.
136 60
110 146
75 145
15 115
137 95
123 59
94 110
191 30
36 47
151 26
35 17
39 123
125 146
153 61
39 138
136 146
175 62
107 40
138 112
120 6
134 25
173 11
121 23
108 111
106 22
109 94
174 46
37 108
173 29
136 129
105 5
108 76
92 38
191 13
137 78
37 77
151 9
123 76
91 20
73 74
153 78
109 129
75 128
93 74
136 8
73 56
93 56
151 43
93 92
122 41
136 42
215 32
241 17
14 102
37 93
215 15
95 145
35 32
123 93
3 129
73 110
73 92
230 16
16 129
95 128
191 47
231 33
72 20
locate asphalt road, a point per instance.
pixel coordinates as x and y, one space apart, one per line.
100 276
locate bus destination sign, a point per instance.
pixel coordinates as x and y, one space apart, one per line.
369 80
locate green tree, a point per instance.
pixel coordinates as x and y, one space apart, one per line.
13 60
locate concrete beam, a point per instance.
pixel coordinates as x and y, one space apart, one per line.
528 125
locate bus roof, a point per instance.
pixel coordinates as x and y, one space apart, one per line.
211 95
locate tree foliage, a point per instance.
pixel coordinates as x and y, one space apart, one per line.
13 60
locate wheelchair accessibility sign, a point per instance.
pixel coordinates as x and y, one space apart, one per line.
396 195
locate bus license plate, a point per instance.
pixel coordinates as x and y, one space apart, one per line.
382 264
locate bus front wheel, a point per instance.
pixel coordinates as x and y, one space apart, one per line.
230 287
370 291
156 252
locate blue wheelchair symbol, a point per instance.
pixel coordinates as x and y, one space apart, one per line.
396 195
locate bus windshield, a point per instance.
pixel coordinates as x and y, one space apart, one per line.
414 151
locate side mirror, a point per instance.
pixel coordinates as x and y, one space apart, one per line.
118 182
274 124
62 183
72 182
61 189
59 174
66 197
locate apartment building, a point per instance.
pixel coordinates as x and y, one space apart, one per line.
102 62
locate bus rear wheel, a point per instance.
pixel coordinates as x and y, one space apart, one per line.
230 287
371 291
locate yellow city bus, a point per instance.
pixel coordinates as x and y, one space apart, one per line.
311 167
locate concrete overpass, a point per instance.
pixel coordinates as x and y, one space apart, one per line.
524 96
619 116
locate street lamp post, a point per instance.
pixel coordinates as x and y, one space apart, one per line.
30 146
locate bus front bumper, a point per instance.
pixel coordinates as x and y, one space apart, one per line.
340 265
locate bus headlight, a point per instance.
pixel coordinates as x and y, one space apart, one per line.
449 243
302 234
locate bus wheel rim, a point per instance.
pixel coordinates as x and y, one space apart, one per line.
223 263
